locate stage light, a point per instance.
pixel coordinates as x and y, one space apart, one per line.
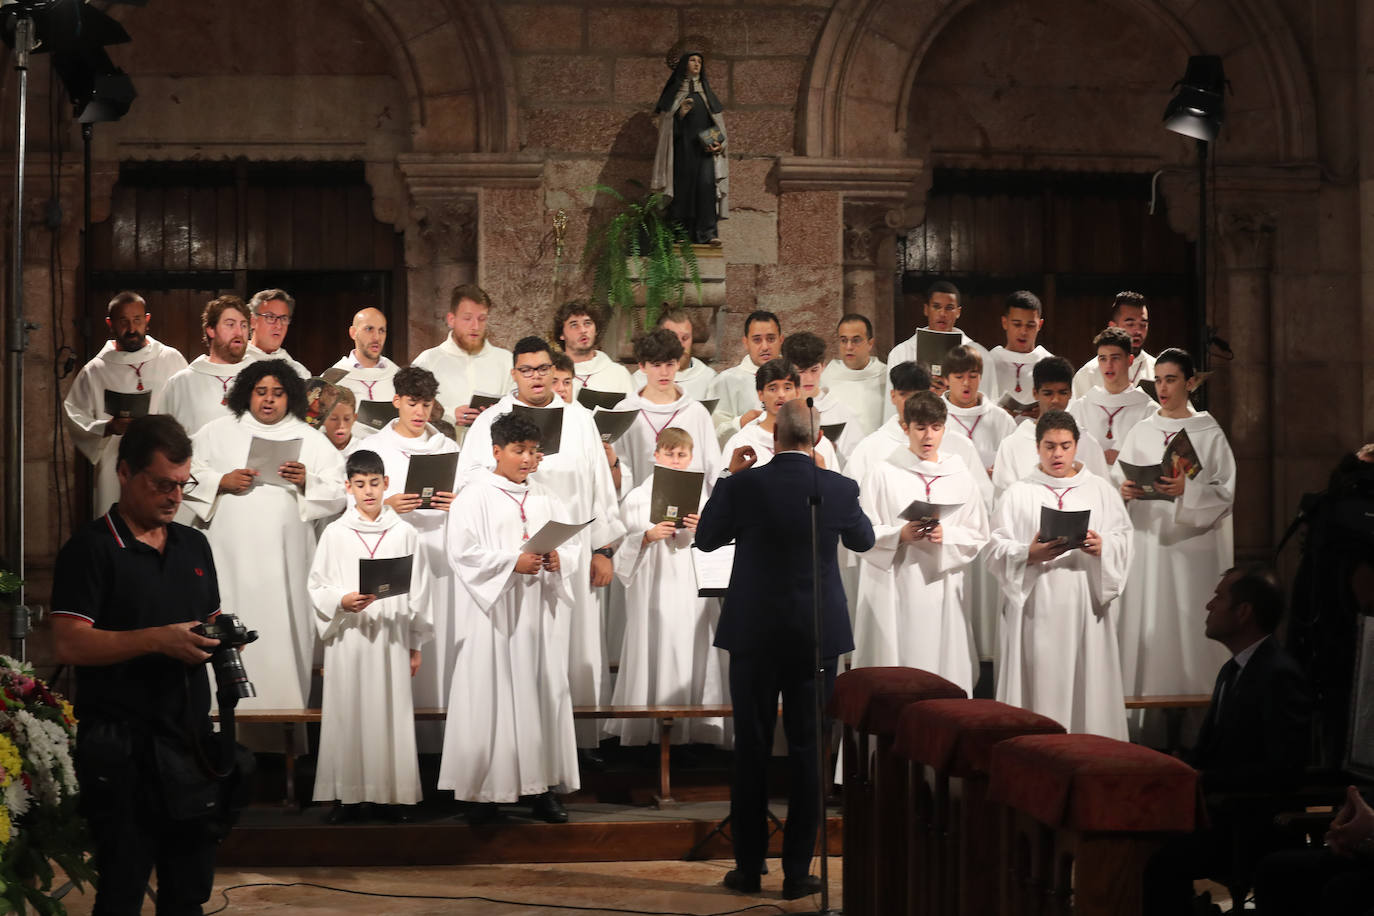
1199 108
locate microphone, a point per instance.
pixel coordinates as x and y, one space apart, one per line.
810 415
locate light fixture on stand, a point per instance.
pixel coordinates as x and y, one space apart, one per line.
1198 110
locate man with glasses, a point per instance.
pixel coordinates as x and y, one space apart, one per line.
942 310
272 310
133 364
577 472
129 589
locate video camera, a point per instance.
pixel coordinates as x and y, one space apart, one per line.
230 677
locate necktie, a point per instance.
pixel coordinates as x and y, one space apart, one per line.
1226 683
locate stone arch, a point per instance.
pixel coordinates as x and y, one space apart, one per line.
426 39
869 53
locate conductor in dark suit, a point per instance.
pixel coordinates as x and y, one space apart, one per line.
766 626
1255 741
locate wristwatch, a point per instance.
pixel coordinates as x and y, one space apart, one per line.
606 552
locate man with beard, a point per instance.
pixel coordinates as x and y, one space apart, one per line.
272 310
466 363
131 362
200 392
368 374
576 326
261 527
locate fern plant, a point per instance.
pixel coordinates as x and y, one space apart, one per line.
640 247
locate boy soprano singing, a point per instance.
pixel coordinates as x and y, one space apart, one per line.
1058 640
510 724
667 655
371 651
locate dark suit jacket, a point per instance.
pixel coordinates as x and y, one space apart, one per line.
765 511
1262 739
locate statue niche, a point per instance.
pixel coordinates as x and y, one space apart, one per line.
690 166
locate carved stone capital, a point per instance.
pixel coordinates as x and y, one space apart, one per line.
1246 236
441 230
866 225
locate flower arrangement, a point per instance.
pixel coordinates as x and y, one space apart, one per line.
39 824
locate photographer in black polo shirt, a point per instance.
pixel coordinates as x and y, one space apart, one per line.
129 588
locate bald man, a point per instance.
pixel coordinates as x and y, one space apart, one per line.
367 373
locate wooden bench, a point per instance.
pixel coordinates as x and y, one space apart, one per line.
666 716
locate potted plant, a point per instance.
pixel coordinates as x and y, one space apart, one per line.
639 257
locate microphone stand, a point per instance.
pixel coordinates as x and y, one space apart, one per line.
814 501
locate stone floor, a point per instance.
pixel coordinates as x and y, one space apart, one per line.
691 888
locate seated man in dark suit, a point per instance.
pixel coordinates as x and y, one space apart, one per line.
1255 740
766 625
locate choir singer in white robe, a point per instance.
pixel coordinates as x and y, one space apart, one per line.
663 403
858 378
262 533
200 392
131 362
913 600
510 726
1182 546
1059 654
693 376
580 476
367 373
372 649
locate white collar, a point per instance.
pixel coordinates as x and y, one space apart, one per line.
1243 656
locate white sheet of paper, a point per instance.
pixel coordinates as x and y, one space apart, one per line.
552 536
713 569
266 455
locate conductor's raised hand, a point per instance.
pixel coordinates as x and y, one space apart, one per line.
237 481
177 641
529 564
356 602
1092 544
743 457
403 502
1045 551
293 472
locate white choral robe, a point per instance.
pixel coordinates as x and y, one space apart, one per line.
580 477
1059 655
984 427
913 604
367 725
264 540
636 447
1109 417
905 352
862 390
368 384
254 353
146 369
1089 376
1013 370
510 724
1018 455
695 380
667 656
199 393
762 440
1181 550
462 374
834 410
433 683
601 373
735 395
890 437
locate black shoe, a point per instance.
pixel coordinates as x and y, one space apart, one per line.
394 814
481 814
589 758
741 883
805 886
344 814
548 809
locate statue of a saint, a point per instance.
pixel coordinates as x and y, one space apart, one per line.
690 167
